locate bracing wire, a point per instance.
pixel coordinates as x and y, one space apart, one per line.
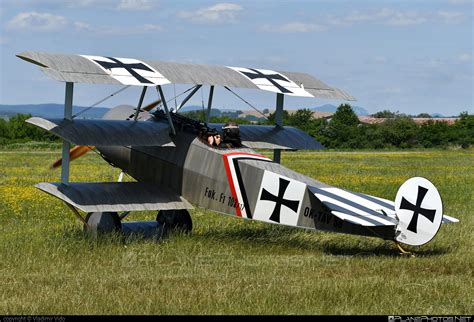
124 88
180 94
202 105
175 101
102 100
227 88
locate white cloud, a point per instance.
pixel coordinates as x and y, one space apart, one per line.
151 27
450 17
82 26
392 17
124 31
82 3
392 90
45 22
293 27
135 5
218 13
464 58
461 1
118 30
37 21
406 20
380 59
386 16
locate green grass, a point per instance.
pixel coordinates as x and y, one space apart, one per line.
232 266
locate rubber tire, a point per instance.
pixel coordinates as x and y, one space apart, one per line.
175 220
101 223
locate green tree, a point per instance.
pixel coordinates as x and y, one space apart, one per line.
343 129
345 116
423 115
285 117
300 118
385 114
463 130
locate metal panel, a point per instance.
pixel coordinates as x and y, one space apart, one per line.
115 196
107 132
272 137
74 68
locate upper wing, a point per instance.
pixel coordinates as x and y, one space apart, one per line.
275 137
127 71
106 132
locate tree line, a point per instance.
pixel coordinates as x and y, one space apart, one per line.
343 130
16 130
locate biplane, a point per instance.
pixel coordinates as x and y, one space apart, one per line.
175 170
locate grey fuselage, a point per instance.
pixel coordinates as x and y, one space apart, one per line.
229 181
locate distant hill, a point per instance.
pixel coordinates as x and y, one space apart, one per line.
57 110
331 108
49 110
323 108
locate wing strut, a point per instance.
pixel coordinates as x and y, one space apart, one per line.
196 88
209 103
279 123
66 144
165 105
140 102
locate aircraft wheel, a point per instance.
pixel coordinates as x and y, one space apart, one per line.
175 220
100 223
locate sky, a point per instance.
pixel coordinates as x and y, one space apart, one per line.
407 56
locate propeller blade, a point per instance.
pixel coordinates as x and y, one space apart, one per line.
151 106
74 153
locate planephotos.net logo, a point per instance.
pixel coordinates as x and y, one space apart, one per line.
425 318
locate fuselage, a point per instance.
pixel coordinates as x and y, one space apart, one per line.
239 181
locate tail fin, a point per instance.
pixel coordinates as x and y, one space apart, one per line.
419 210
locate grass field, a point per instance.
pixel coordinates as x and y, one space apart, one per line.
232 266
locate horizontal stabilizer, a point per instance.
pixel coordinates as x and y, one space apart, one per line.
356 208
107 132
275 137
115 196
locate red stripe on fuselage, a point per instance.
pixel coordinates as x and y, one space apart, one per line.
230 179
231 183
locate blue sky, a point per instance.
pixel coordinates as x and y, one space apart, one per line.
407 56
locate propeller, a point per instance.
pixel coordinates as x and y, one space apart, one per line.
80 150
74 153
151 106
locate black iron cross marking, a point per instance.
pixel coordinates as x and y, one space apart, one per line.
128 67
417 210
270 78
279 200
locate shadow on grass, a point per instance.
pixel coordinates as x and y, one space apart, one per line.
315 242
274 238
